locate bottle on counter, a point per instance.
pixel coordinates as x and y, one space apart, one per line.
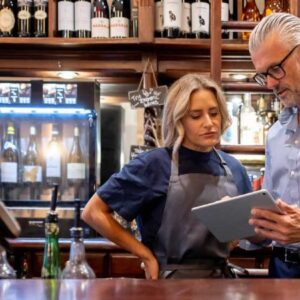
51 259
100 19
76 165
24 16
6 270
201 19
172 16
8 18
77 267
54 158
83 10
272 6
120 19
40 18
32 166
65 20
10 164
250 13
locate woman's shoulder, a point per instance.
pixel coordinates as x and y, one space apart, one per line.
231 161
154 155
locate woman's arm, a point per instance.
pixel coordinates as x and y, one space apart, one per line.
98 215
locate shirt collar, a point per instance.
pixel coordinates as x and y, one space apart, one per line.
286 114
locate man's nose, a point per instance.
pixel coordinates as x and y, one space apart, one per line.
272 82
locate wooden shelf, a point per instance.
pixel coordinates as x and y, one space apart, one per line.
244 149
244 87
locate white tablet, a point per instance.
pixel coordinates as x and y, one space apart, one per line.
228 219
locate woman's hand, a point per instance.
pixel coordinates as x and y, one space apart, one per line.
150 267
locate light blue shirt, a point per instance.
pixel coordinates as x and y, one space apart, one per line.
282 174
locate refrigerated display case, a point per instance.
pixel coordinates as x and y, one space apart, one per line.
50 136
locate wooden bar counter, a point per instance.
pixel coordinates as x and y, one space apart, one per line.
136 289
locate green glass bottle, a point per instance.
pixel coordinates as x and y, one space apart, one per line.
51 262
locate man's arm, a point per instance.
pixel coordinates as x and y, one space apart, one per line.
98 215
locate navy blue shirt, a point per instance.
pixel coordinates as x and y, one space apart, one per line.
140 189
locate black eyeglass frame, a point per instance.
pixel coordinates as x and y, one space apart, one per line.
261 78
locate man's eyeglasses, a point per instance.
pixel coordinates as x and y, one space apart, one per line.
276 72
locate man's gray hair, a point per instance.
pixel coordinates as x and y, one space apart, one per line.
285 26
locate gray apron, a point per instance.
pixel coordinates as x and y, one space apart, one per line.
184 247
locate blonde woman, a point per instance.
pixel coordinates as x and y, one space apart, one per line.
160 187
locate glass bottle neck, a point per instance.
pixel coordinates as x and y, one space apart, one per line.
77 251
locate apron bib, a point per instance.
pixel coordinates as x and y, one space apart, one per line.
184 245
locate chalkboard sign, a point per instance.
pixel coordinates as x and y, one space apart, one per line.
148 97
135 150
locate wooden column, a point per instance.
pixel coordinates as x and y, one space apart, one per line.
215 41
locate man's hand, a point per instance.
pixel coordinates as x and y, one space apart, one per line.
282 228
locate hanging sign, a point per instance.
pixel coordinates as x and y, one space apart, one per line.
150 97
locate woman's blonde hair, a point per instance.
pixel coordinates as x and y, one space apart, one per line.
178 102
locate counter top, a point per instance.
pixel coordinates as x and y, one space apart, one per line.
136 289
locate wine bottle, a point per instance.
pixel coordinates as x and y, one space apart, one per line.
120 19
77 267
54 158
249 133
51 259
225 17
76 165
83 18
25 12
233 17
32 169
172 18
7 18
100 19
201 19
134 30
10 164
159 18
40 18
186 19
65 22
272 6
250 13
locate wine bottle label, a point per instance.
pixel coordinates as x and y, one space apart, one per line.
65 15
119 27
82 15
9 172
76 171
40 15
53 168
172 13
225 12
32 174
200 17
7 19
100 28
159 25
186 17
24 15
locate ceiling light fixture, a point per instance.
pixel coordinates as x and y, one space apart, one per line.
67 74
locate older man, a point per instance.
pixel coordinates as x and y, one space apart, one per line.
275 51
